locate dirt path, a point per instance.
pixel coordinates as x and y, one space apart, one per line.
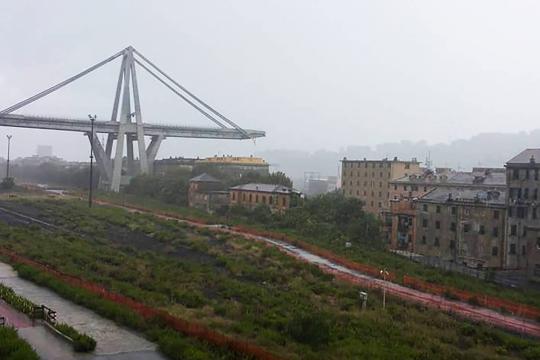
466 310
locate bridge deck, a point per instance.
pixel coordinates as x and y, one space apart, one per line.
112 127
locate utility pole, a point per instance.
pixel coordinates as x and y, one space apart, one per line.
8 150
92 119
384 273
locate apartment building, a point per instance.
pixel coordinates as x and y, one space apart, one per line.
523 230
464 224
368 180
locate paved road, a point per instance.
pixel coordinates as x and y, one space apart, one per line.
466 310
113 341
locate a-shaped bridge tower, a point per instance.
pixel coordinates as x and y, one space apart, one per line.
126 125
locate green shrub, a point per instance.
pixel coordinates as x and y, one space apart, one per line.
310 329
81 342
14 348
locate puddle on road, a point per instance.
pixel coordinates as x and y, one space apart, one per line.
111 338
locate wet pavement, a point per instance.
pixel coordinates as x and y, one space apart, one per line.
113 341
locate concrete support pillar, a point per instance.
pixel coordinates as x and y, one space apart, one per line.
103 161
152 150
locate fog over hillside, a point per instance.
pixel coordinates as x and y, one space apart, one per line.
486 149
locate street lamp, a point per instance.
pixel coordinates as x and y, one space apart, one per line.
8 149
384 274
92 119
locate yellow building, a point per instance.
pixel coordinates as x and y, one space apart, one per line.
368 180
236 166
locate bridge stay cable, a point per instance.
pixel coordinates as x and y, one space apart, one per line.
59 85
181 95
193 96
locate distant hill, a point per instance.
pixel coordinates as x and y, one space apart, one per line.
486 149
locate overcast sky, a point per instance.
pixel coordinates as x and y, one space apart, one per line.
312 74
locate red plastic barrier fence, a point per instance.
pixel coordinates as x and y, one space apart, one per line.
186 327
491 302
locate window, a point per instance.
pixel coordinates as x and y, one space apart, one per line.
466 227
454 210
244 197
510 212
437 224
527 174
234 196
495 231
482 230
524 232
250 198
436 242
264 199
496 214
380 194
438 209
513 230
494 251
515 174
395 187
538 243
425 188
424 207
521 212
526 193
534 213
424 223
452 244
270 200
424 240
284 201
523 250
404 187
453 226
257 198
512 249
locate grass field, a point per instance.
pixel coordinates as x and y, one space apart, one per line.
359 253
242 288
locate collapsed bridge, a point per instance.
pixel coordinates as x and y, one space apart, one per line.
121 130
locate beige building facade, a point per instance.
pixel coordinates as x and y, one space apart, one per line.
368 180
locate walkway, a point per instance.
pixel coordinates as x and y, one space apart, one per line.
113 342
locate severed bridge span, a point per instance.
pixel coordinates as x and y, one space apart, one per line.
126 125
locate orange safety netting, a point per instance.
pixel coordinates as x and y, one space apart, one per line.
484 300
